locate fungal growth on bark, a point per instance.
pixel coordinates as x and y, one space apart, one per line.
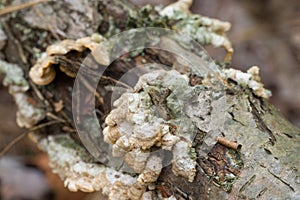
164 113
179 6
187 130
250 79
153 118
79 171
202 29
43 72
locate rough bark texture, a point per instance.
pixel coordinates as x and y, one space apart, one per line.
266 166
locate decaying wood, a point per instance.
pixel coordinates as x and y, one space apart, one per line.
266 166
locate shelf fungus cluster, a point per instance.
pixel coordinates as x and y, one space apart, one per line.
77 168
43 72
150 121
79 172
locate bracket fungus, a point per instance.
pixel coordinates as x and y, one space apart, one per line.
79 172
138 127
43 72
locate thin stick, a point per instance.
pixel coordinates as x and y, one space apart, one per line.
23 135
16 41
65 116
116 81
12 143
91 89
14 8
53 116
39 94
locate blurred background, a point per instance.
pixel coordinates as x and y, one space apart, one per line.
265 33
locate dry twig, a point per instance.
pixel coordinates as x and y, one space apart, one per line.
14 8
23 135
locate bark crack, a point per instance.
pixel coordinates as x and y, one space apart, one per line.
260 123
283 181
247 184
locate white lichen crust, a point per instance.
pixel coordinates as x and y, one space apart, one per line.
28 114
180 5
152 119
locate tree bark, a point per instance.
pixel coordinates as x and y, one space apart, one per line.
266 166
